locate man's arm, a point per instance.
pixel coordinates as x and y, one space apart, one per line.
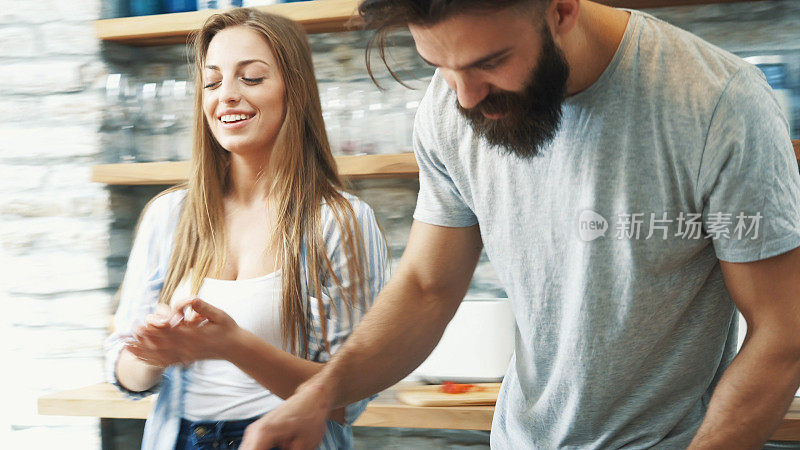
395 336
410 314
756 390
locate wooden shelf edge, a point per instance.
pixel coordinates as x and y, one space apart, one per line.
314 16
104 400
138 174
400 165
320 16
121 409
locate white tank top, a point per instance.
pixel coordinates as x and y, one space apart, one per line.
217 389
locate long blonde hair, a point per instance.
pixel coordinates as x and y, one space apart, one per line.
304 176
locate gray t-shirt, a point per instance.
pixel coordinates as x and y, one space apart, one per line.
608 244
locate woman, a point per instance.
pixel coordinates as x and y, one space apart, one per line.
243 281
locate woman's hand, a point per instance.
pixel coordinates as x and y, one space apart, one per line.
194 331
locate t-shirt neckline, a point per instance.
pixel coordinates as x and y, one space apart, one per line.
633 26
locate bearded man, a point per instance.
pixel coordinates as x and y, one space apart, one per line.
633 186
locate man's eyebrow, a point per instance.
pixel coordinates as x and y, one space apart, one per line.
477 62
240 63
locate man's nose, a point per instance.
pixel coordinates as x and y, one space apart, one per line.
470 90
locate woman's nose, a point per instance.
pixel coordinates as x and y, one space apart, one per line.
229 92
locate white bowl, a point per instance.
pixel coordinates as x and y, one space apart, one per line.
476 346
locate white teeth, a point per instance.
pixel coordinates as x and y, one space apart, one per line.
233 117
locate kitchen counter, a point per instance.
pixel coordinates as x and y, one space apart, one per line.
105 401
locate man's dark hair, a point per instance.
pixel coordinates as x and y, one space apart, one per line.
383 16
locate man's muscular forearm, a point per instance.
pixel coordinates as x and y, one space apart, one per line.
408 317
398 333
753 396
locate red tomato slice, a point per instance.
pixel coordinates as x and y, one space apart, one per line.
456 388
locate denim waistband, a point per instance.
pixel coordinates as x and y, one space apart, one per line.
222 434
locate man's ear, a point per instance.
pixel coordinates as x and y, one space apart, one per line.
562 15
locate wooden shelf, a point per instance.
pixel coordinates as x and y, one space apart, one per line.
355 167
165 173
318 16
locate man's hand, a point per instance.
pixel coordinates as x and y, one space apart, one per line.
298 424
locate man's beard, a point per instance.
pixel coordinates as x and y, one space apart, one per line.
530 119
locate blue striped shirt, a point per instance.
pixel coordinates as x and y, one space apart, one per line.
144 278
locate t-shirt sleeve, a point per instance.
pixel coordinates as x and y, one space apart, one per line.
749 175
439 201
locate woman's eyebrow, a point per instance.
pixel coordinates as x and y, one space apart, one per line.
240 64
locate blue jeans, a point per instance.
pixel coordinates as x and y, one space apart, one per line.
213 435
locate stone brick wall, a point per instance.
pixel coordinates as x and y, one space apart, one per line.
54 223
64 241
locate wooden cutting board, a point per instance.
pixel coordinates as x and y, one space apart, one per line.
431 395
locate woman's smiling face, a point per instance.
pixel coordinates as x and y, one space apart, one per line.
243 94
